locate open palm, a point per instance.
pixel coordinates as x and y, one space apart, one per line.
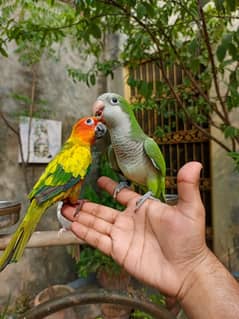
159 244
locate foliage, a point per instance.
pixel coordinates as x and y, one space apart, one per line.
235 157
20 306
90 76
4 311
91 259
200 38
102 197
155 298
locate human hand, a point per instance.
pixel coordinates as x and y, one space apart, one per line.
159 244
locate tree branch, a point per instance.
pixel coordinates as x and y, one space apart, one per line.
8 124
20 146
31 109
193 81
211 59
214 71
228 88
181 105
166 79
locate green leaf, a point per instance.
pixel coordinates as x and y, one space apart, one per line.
145 89
195 65
220 5
233 79
150 9
231 5
92 79
221 52
51 2
233 51
3 52
235 157
227 38
231 131
141 10
21 98
193 46
95 31
132 82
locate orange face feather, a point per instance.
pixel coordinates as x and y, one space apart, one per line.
84 129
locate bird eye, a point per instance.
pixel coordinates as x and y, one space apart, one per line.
114 100
89 121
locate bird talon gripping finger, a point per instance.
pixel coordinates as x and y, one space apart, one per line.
79 205
119 187
142 199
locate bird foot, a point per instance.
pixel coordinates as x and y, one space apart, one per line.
119 187
65 223
61 231
142 199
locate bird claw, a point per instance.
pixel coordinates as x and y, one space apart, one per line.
142 199
61 231
119 187
79 205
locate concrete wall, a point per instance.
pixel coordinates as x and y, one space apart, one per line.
225 186
225 195
225 205
117 84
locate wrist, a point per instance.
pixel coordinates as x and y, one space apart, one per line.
208 289
197 272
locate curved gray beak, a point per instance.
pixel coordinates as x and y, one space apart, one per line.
100 130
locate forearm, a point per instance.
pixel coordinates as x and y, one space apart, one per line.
210 292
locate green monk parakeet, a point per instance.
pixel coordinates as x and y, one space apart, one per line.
133 153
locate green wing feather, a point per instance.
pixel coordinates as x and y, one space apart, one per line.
154 153
156 183
63 172
54 183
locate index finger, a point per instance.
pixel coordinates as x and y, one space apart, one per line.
124 196
100 211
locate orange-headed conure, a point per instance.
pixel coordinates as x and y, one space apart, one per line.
134 153
61 181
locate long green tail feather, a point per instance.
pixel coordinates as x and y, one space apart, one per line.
18 242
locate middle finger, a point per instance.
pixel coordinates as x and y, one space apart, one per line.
94 222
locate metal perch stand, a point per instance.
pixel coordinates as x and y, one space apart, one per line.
46 238
9 216
97 297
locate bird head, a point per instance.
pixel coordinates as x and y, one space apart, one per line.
87 129
110 108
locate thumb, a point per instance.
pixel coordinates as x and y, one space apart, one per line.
188 178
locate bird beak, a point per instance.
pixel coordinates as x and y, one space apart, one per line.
98 108
100 130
